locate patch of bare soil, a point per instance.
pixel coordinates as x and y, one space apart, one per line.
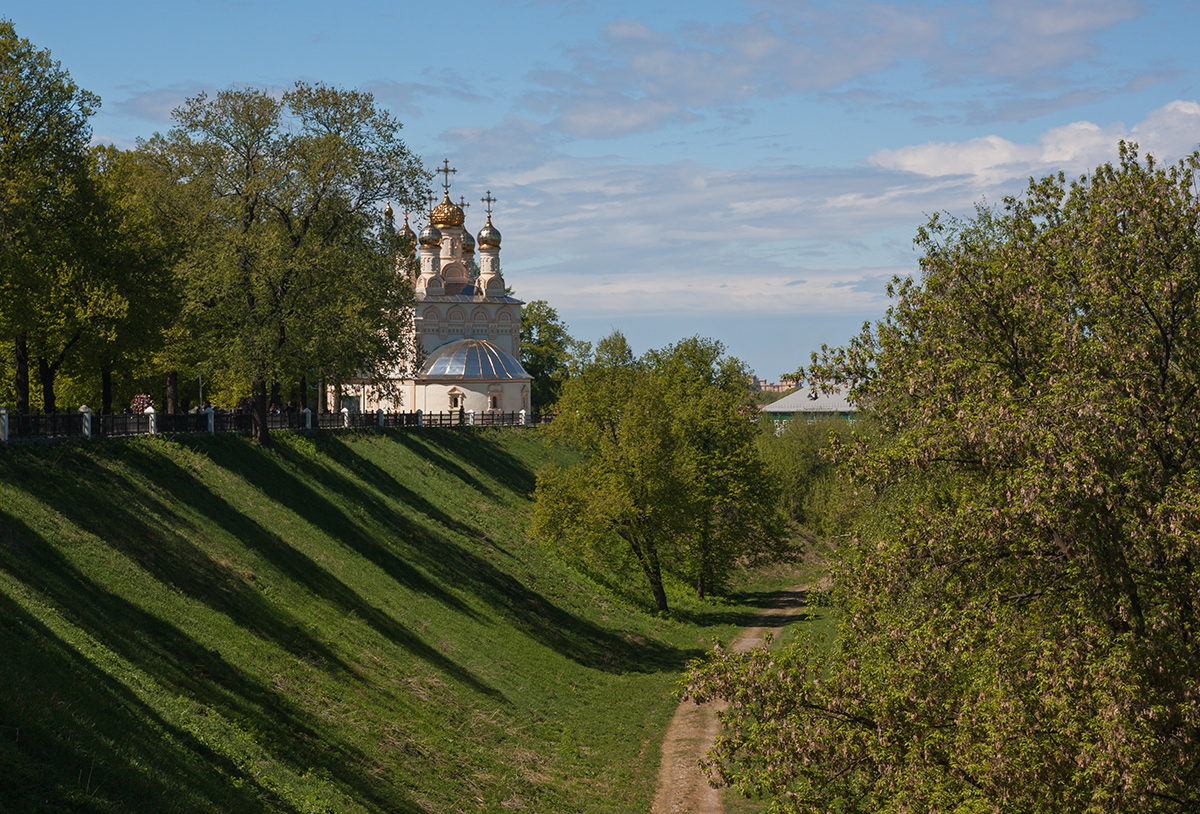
682 787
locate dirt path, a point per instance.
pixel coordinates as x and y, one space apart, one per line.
682 787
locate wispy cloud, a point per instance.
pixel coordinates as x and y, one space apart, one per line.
636 79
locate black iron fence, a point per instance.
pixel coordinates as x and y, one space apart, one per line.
84 424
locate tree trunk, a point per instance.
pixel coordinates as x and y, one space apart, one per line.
322 395
258 413
303 403
275 394
46 373
173 392
22 374
106 390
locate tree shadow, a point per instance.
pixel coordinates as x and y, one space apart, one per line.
119 512
451 563
181 666
755 609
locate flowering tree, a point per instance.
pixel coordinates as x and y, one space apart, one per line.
1020 628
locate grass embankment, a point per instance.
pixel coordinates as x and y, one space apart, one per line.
336 623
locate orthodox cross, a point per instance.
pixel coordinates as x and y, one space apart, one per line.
488 200
429 197
462 203
445 171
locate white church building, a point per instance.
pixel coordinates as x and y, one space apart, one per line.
466 327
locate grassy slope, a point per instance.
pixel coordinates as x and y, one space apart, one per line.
338 623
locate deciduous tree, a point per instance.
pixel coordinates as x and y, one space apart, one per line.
671 473
44 134
288 269
1020 625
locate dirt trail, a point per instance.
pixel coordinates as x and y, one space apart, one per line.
682 787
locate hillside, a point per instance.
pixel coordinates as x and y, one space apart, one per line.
350 623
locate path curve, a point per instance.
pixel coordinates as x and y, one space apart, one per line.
682 787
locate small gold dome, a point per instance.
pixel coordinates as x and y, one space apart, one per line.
407 233
431 236
489 235
447 213
468 243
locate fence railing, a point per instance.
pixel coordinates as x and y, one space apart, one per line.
85 424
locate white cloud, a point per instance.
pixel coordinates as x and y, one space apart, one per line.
1168 132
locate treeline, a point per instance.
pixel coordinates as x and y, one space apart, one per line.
246 248
1021 588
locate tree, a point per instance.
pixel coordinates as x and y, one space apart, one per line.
1020 618
669 476
733 505
546 351
44 134
288 269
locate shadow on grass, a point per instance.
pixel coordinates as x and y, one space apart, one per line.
76 713
429 544
144 528
755 609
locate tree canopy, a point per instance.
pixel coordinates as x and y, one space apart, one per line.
671 476
547 350
1020 629
44 135
288 269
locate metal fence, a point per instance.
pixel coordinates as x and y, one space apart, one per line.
85 424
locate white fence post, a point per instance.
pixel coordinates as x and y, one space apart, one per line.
86 412
345 417
307 418
379 417
524 418
470 418
420 418
153 420
3 425
212 420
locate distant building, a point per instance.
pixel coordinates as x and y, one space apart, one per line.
812 405
764 386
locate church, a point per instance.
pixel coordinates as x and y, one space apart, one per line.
466 327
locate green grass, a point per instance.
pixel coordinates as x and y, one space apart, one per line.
338 623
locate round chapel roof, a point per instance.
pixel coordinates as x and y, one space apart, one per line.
471 359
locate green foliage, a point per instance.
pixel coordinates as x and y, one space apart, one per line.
547 351
800 456
1021 613
45 293
671 474
287 269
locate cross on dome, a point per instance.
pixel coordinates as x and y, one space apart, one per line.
487 201
445 171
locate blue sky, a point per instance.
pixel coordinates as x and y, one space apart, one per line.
749 171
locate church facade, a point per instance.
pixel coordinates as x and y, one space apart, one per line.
466 327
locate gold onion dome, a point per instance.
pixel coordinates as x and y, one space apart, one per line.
489 235
447 213
431 236
468 243
407 233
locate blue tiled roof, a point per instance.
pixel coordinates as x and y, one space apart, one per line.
471 359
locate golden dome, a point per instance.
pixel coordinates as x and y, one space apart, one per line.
431 236
447 213
468 243
489 235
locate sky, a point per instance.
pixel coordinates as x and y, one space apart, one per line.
752 172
